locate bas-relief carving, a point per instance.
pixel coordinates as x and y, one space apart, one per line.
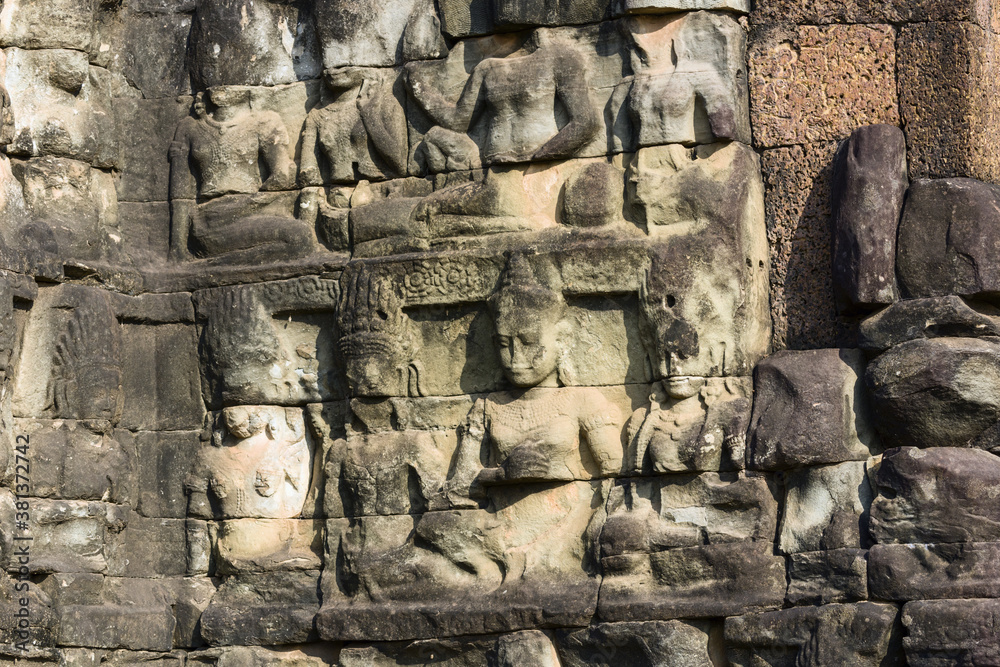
525 455
221 205
361 132
269 343
509 102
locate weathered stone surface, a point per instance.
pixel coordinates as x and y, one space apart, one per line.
869 11
42 623
61 24
263 609
647 516
696 318
366 33
154 59
946 245
822 577
146 128
949 632
692 582
265 545
74 535
61 106
869 184
936 317
903 572
644 644
73 463
937 393
249 358
803 91
137 628
809 410
798 216
826 507
936 495
850 634
235 43
164 461
148 546
315 655
943 77
161 378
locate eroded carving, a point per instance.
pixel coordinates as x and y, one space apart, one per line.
221 205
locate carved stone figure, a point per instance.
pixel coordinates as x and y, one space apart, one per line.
377 342
232 209
86 380
361 133
692 424
257 466
685 88
527 455
513 100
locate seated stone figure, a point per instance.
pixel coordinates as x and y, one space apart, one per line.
529 455
509 103
231 210
360 133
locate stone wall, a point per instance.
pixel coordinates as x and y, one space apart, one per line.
497 332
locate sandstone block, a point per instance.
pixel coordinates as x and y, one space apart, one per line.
870 181
822 577
809 410
903 572
835 634
937 393
643 644
61 24
936 317
692 582
164 462
946 243
936 495
825 508
263 609
111 626
948 632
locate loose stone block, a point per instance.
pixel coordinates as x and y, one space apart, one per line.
809 410
936 495
946 243
948 632
849 634
903 572
822 577
935 317
870 181
937 393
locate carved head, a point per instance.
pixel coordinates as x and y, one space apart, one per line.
531 326
376 342
229 96
668 338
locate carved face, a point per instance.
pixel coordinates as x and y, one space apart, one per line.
375 375
530 346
